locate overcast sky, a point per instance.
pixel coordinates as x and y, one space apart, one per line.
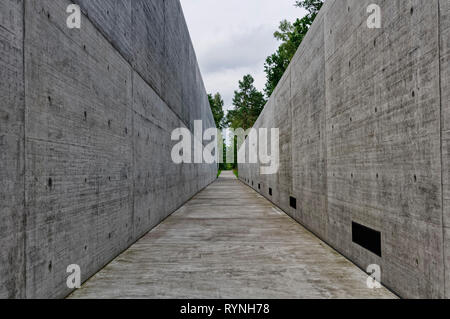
234 37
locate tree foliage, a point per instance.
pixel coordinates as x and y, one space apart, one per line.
216 103
248 103
291 36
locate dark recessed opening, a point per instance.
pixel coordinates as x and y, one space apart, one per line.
270 191
252 183
85 116
50 183
367 238
259 186
293 202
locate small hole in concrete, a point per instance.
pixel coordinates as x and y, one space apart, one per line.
48 15
367 238
85 115
413 94
293 202
415 178
50 266
50 183
412 11
376 110
270 191
109 123
259 186
378 176
109 235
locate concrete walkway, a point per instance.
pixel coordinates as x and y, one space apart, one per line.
229 242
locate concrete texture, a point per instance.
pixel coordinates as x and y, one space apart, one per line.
215 247
12 109
85 149
361 113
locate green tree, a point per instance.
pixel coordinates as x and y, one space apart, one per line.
291 36
312 6
216 103
248 104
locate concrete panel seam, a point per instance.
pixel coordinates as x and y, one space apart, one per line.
24 132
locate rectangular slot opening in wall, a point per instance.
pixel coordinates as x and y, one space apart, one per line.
259 186
367 238
270 191
293 202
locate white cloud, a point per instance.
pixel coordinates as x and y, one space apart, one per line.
232 38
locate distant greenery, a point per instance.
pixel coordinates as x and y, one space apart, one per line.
216 103
236 172
291 36
248 103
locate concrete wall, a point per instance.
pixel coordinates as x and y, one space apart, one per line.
361 114
12 107
85 134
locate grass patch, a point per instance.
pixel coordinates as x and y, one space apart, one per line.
236 172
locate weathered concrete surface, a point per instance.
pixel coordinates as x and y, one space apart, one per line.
360 112
97 137
229 242
12 107
444 19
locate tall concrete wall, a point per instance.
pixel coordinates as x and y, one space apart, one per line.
364 138
12 107
85 137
